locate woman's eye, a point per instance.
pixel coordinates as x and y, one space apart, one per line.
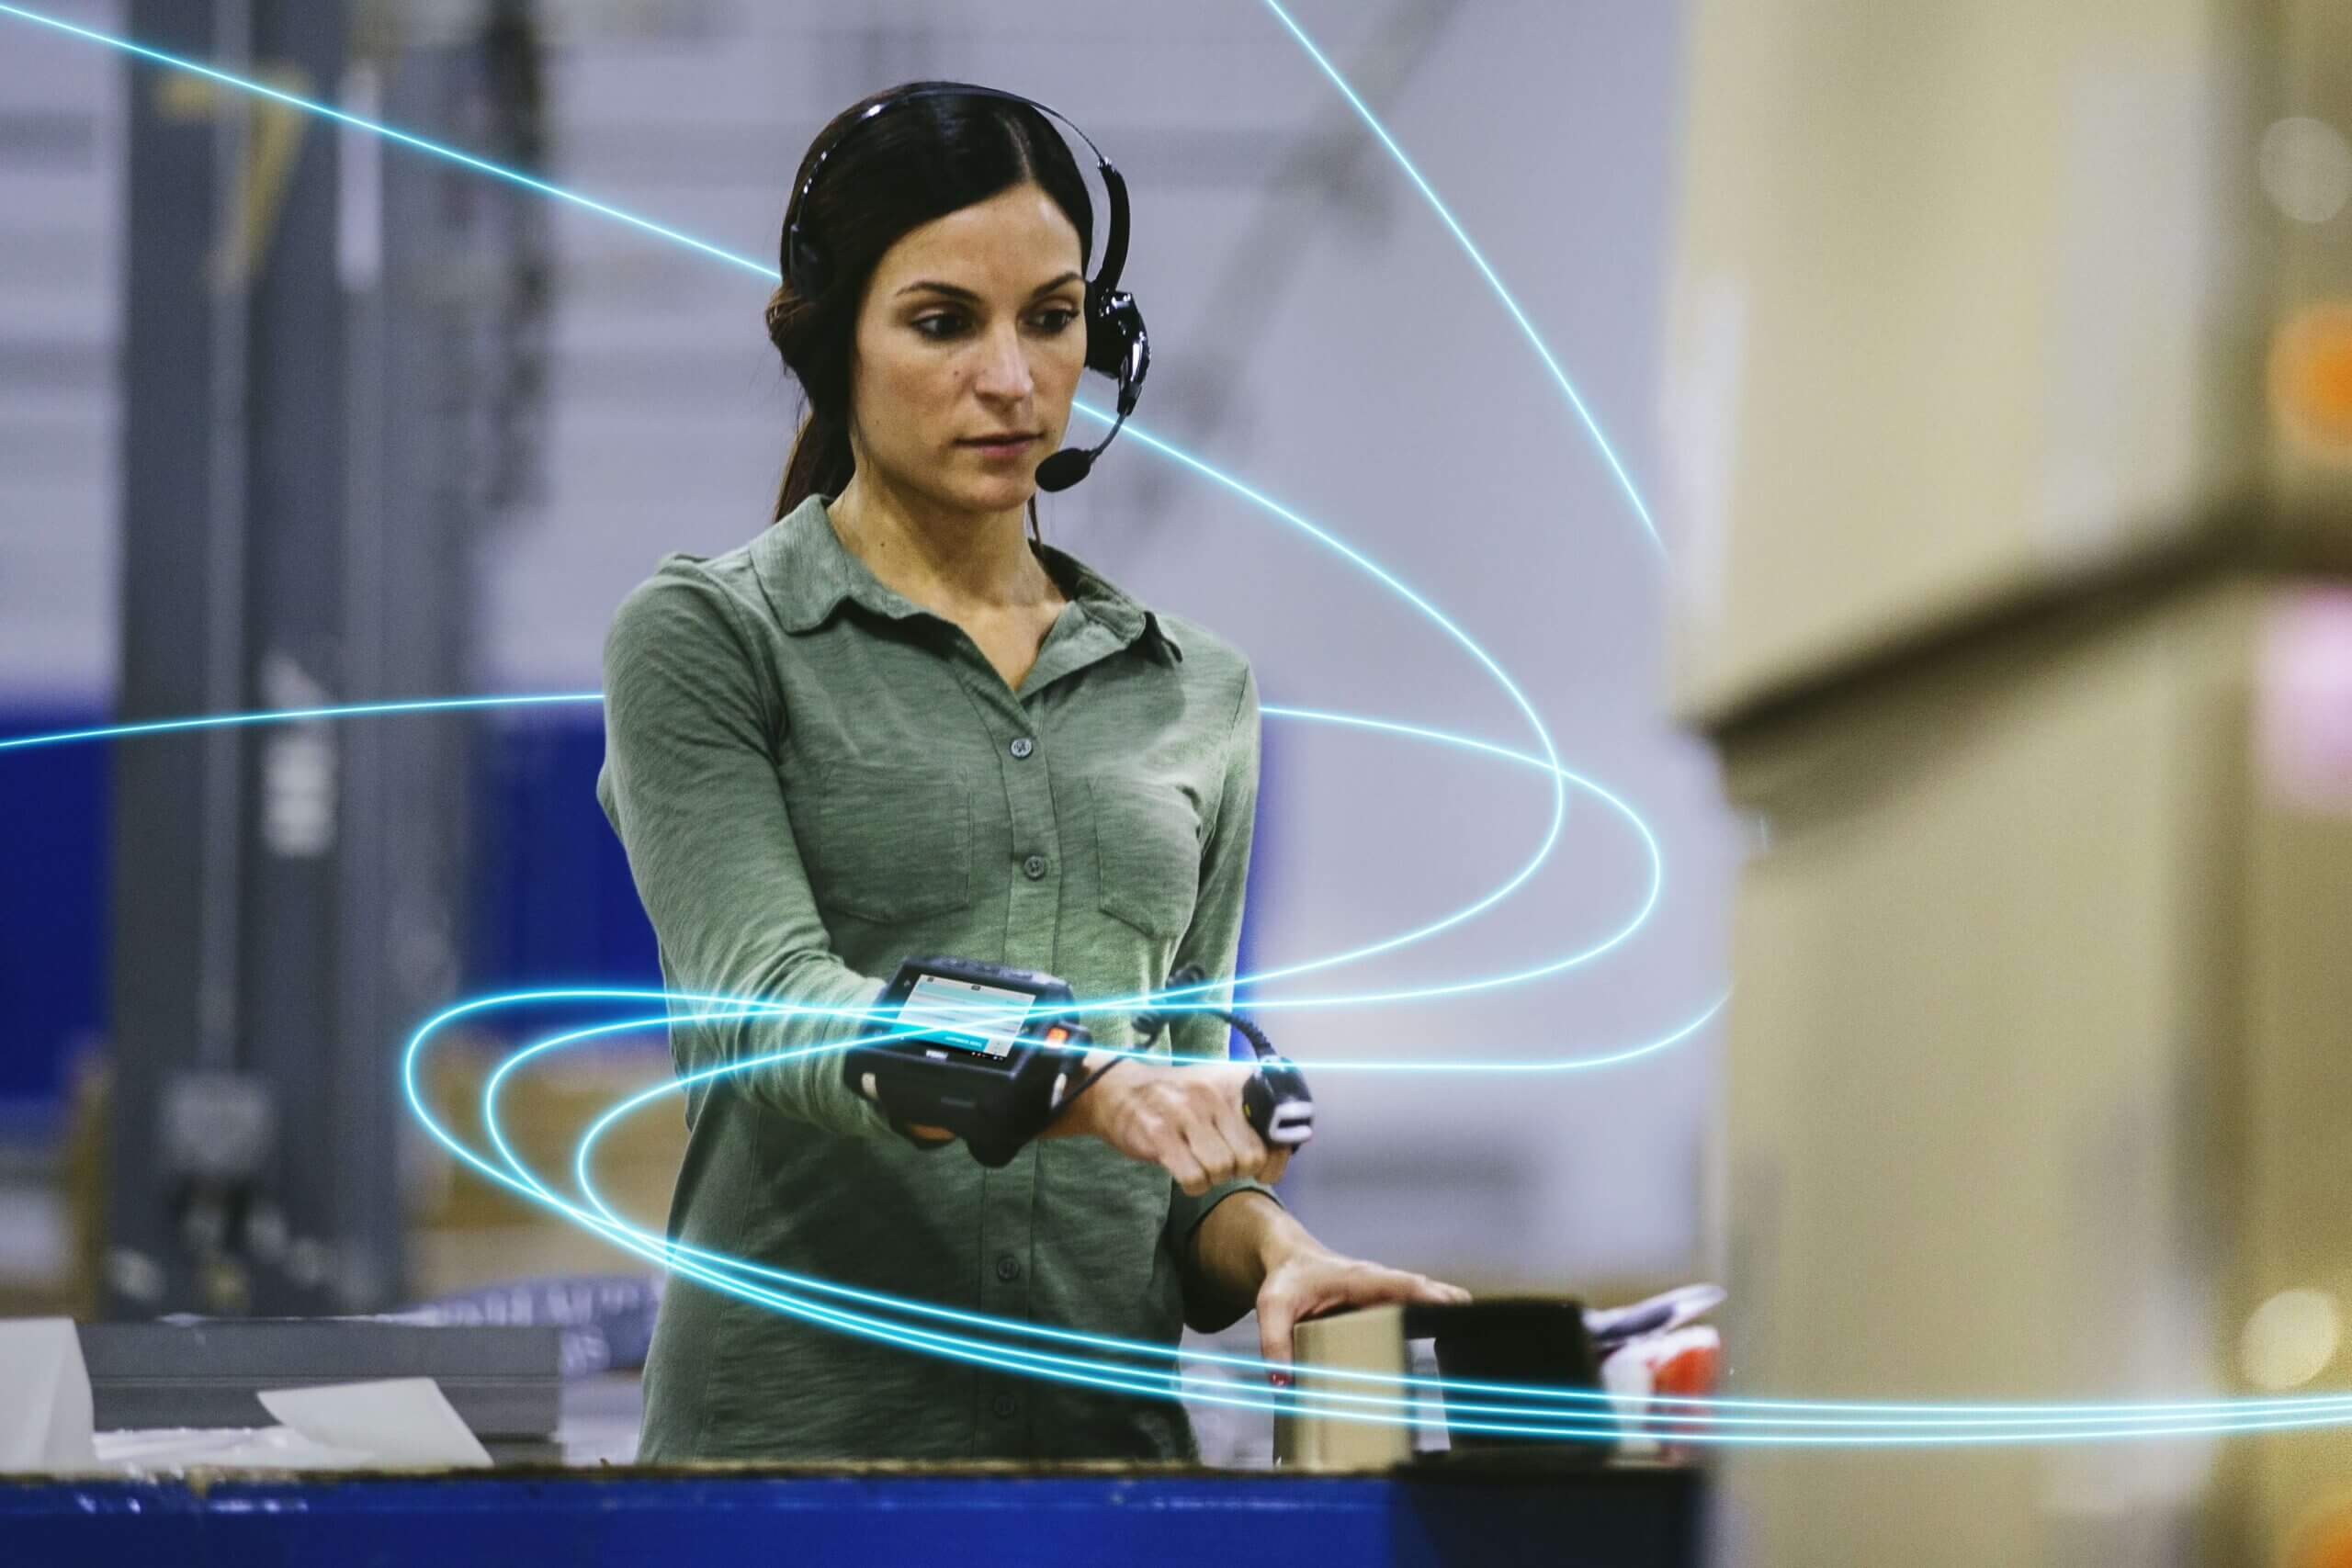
948 325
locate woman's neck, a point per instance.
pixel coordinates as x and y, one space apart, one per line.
952 562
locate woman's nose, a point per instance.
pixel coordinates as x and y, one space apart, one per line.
1004 371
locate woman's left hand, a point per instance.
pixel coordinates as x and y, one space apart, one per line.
1312 1281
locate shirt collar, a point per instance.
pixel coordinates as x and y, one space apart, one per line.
807 571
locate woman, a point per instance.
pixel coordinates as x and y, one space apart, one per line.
890 724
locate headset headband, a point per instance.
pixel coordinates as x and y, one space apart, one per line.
1115 243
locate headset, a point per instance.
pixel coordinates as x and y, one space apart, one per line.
1116 343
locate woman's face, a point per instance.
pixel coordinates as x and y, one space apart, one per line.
974 324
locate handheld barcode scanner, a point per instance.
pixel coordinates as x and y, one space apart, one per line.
999 1057
1274 1102
994 1063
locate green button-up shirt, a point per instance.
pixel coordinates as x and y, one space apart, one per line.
815 777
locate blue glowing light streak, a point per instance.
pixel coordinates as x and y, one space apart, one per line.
1801 1424
1535 339
1654 887
1355 557
1708 1420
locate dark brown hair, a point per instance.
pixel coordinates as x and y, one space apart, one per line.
917 161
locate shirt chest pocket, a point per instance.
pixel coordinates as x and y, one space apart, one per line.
885 843
1146 852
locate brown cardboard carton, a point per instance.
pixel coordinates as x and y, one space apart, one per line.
1976 301
2038 1080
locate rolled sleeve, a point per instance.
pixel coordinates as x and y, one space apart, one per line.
690 784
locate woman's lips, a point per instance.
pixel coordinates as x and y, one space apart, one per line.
1000 449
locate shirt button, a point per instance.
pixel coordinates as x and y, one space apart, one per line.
1008 1267
1022 746
1004 1405
1033 867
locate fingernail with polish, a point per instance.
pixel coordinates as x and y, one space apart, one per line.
1280 1380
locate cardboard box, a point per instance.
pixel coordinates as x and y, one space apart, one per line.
2038 1080
1372 1341
1974 302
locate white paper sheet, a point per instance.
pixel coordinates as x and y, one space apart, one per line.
45 1416
167 1450
395 1422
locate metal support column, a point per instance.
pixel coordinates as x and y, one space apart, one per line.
308 322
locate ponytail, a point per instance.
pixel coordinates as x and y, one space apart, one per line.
820 462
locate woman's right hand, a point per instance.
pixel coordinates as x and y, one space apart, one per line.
1185 1119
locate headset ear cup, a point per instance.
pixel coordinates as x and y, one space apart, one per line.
1106 335
1101 340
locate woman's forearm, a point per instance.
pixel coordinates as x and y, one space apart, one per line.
1243 1239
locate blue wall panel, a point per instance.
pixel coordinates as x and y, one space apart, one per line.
551 902
54 864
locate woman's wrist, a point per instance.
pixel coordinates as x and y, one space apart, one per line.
1240 1243
1076 1120
1276 1234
